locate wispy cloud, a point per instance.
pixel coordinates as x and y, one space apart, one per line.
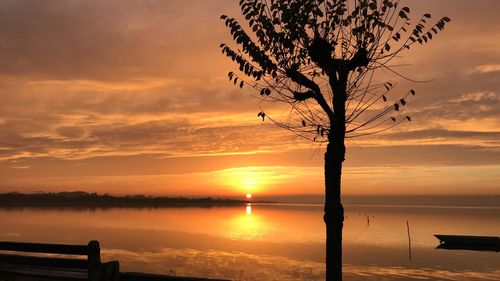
487 68
104 88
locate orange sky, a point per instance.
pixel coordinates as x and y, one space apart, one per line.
130 97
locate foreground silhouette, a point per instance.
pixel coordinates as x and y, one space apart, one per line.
468 242
320 57
82 262
20 266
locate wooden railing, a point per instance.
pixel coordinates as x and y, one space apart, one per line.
14 264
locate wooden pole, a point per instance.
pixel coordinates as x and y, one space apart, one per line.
409 239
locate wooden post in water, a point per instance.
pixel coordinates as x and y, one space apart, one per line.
409 239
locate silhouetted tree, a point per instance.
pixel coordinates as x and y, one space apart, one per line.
319 57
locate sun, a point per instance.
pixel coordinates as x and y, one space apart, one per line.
249 196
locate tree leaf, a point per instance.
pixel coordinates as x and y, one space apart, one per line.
261 114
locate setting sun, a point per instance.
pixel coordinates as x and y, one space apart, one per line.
249 196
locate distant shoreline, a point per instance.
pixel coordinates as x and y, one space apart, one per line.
81 199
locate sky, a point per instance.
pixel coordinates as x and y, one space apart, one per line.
132 97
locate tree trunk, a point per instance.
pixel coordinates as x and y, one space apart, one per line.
334 214
334 157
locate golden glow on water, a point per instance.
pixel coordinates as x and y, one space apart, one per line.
248 226
249 209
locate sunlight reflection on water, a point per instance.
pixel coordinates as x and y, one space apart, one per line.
267 242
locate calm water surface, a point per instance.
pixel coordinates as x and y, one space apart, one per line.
269 242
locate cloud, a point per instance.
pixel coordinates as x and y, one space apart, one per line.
21 167
167 136
81 118
442 136
103 40
123 87
477 111
487 68
478 97
71 132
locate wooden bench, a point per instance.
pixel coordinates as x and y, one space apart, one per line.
15 266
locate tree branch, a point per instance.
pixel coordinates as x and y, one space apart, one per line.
302 96
320 52
360 59
302 80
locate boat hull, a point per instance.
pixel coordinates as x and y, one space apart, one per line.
464 242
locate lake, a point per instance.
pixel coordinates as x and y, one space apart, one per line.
269 242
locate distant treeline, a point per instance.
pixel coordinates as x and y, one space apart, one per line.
80 199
